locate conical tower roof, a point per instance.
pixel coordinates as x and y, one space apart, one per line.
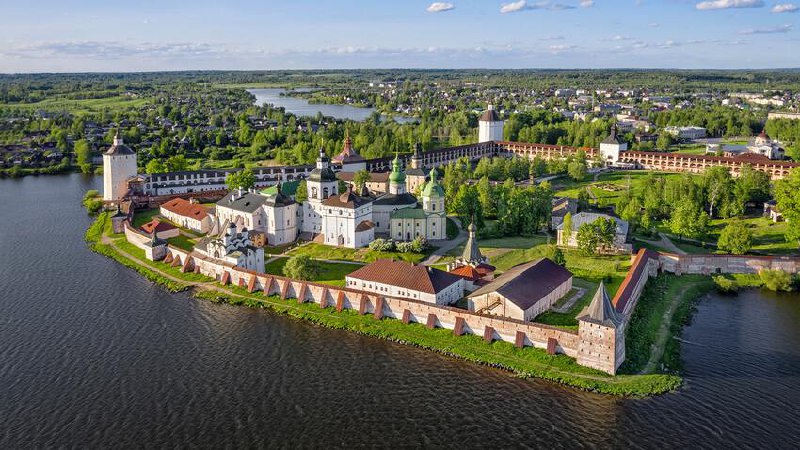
472 253
600 310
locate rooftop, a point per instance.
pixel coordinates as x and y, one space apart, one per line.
186 208
525 284
406 275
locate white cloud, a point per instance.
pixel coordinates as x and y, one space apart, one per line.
559 48
727 4
437 7
587 3
785 8
653 25
523 5
771 30
115 50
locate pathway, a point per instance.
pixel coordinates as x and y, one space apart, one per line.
657 350
437 254
666 243
563 309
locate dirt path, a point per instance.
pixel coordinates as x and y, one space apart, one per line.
657 350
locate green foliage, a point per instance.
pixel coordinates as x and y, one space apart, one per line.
525 211
787 196
301 195
244 179
596 237
83 155
301 268
556 255
725 285
566 234
361 178
155 166
467 205
776 280
92 202
736 238
382 245
688 221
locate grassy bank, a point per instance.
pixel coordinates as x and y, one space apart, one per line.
526 362
644 327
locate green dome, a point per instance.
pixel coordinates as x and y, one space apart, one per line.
433 188
397 175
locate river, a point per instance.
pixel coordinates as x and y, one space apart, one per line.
301 107
93 355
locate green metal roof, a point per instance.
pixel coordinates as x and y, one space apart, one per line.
433 188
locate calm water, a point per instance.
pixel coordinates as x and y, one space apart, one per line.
301 106
92 355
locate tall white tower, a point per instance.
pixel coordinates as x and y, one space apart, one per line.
321 184
611 147
119 165
490 126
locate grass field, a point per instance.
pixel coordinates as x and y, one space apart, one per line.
330 273
182 242
92 105
768 237
609 186
142 217
365 255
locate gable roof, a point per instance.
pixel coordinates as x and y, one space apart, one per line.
186 208
409 276
157 226
586 217
526 284
347 199
248 202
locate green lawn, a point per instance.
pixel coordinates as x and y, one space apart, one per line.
567 319
330 273
91 105
142 217
365 255
182 242
768 237
609 186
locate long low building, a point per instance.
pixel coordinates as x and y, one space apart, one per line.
187 213
524 291
406 280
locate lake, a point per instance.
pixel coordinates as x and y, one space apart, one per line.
92 355
301 107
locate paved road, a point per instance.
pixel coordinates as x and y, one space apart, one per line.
434 257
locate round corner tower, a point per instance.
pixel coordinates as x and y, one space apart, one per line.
490 126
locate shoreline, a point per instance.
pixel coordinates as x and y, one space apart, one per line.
526 362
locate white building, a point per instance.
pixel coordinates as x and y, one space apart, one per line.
524 291
686 133
763 145
321 184
347 220
611 147
187 214
275 215
428 221
490 126
406 280
233 247
119 165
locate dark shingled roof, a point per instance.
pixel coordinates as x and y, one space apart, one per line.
600 310
406 275
347 199
248 202
119 148
396 199
612 138
490 115
525 284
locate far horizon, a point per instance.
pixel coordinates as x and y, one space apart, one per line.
117 37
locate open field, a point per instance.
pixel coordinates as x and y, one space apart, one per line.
768 237
91 105
330 273
609 185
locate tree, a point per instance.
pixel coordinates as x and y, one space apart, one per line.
688 221
244 179
735 238
155 166
83 155
556 255
664 140
467 205
751 186
176 163
361 178
776 280
719 187
577 170
566 235
301 194
486 197
787 196
301 267
587 240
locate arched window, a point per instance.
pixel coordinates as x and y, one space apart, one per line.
325 193
314 192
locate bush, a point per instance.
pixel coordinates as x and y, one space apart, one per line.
726 285
419 245
405 247
776 280
555 254
382 245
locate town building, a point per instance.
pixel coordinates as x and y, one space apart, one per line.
233 247
321 184
187 214
561 207
276 216
428 221
763 145
620 236
416 174
347 220
119 166
686 133
406 280
490 126
524 291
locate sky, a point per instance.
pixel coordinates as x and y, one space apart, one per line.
147 35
